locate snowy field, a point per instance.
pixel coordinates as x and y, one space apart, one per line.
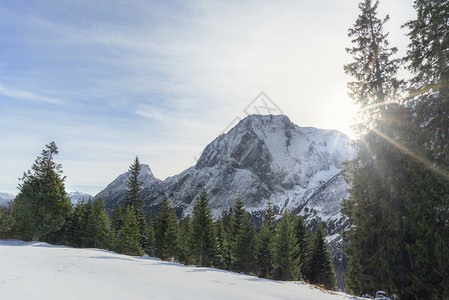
43 271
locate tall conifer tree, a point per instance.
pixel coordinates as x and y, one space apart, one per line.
203 235
264 243
321 268
42 205
285 251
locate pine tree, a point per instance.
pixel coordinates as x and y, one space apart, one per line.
128 238
428 203
302 236
223 257
428 60
264 240
117 219
237 213
6 222
375 208
285 251
170 247
245 246
203 236
373 67
150 235
162 224
321 268
42 205
185 237
133 197
97 225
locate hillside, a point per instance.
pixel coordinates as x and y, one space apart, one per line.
43 271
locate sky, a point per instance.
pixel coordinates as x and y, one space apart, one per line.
109 80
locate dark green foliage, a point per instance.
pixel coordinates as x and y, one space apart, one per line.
185 238
97 225
223 257
117 219
170 246
6 222
166 233
133 188
373 68
428 61
264 240
237 213
149 236
42 206
427 221
204 244
285 251
128 238
302 236
321 269
245 246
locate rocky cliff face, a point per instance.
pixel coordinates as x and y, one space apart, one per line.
261 158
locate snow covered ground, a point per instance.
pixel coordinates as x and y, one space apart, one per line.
43 271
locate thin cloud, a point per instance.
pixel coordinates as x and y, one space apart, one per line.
28 96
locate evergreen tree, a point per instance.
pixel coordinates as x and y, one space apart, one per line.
97 227
375 209
373 68
134 188
264 240
428 203
117 219
150 235
223 257
145 233
170 247
42 205
321 268
237 213
185 236
6 222
128 238
74 232
285 251
245 246
302 236
203 236
162 224
428 60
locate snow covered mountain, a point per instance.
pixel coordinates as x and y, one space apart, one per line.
77 197
5 198
261 158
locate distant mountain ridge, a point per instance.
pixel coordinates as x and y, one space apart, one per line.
261 158
5 198
77 197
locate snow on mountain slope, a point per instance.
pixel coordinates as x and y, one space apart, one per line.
43 271
261 158
77 197
5 198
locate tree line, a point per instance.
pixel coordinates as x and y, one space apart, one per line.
282 249
398 210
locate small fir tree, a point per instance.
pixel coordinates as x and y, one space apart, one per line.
264 243
128 238
203 236
321 268
285 251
